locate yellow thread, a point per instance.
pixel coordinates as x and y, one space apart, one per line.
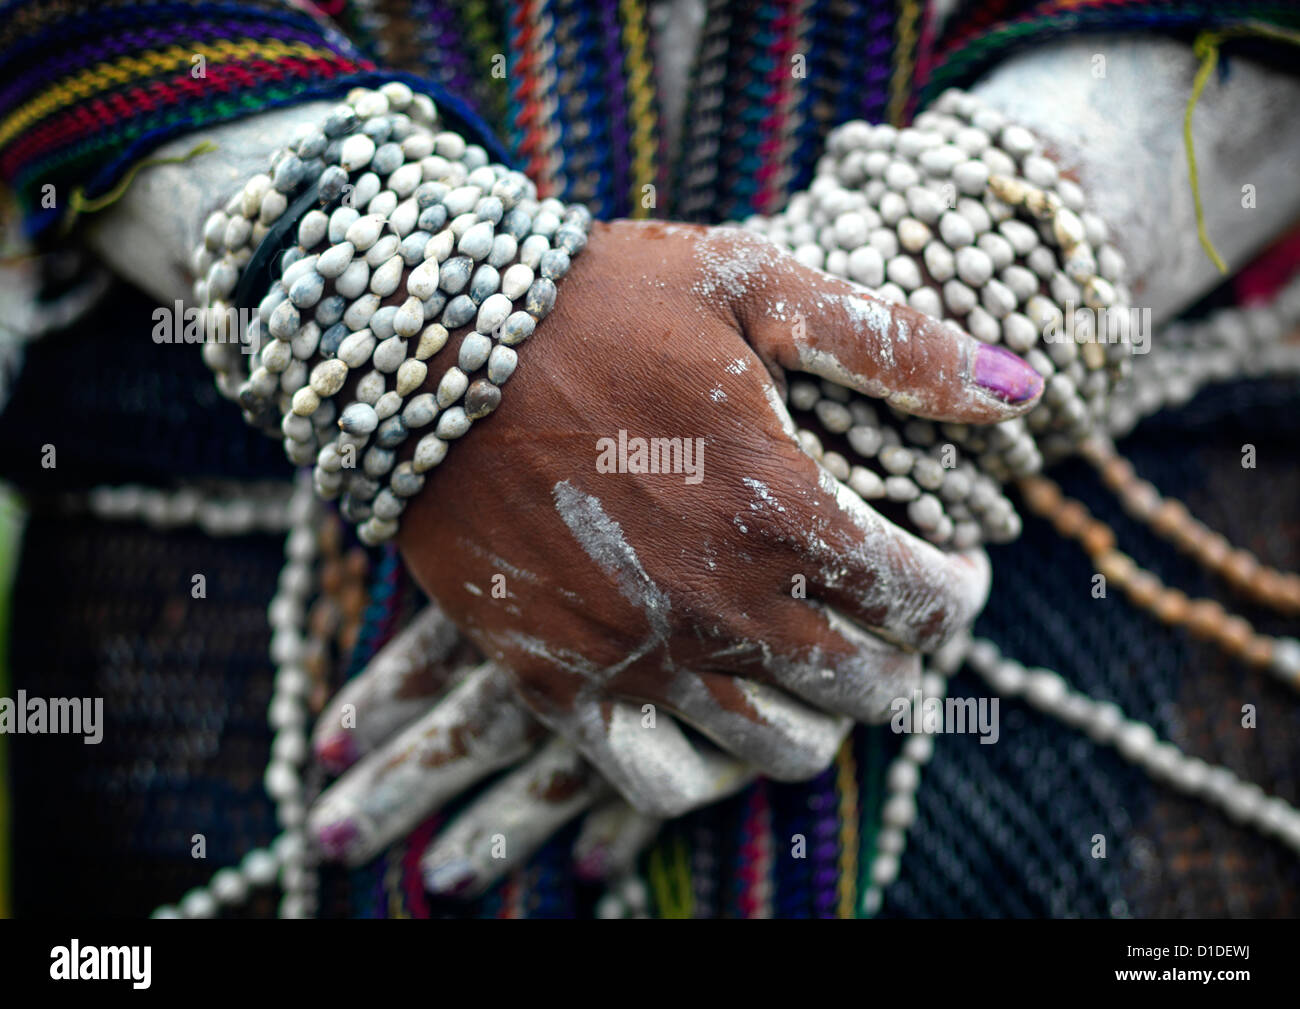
104 76
641 89
78 204
1206 48
671 884
659 883
846 781
687 903
393 884
907 17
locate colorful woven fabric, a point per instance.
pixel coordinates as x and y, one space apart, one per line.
93 88
90 89
973 44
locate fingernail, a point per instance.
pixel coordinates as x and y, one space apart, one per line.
1006 375
450 878
334 839
594 863
337 753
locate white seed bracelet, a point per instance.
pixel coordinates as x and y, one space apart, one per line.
481 251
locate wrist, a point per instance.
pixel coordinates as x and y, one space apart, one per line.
406 235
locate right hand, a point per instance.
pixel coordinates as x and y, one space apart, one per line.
623 590
655 591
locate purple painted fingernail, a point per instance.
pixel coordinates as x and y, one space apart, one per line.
1006 375
450 878
594 863
336 838
337 753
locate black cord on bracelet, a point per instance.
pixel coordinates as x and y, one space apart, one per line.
282 234
263 268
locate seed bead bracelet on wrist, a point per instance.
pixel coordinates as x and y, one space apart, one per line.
1006 256
964 217
480 248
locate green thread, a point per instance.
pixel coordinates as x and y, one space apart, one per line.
79 204
671 883
1206 48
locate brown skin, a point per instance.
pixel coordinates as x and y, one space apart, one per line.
633 345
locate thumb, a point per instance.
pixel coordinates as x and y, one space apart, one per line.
806 320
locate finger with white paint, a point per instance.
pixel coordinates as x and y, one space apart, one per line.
762 725
831 663
613 835
873 571
646 756
396 687
502 828
885 578
478 728
803 319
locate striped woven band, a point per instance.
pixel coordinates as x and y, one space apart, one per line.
89 89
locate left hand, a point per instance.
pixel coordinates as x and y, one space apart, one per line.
426 721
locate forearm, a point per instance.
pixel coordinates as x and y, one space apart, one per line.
93 91
150 234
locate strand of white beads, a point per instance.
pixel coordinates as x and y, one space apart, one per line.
1106 723
233 510
288 857
1185 357
287 713
903 780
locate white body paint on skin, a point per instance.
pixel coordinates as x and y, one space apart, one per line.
733 263
603 540
865 683
514 810
788 740
393 788
661 770
617 830
826 365
860 685
873 314
730 267
663 767
381 697
762 494
502 565
908 601
885 331
782 412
